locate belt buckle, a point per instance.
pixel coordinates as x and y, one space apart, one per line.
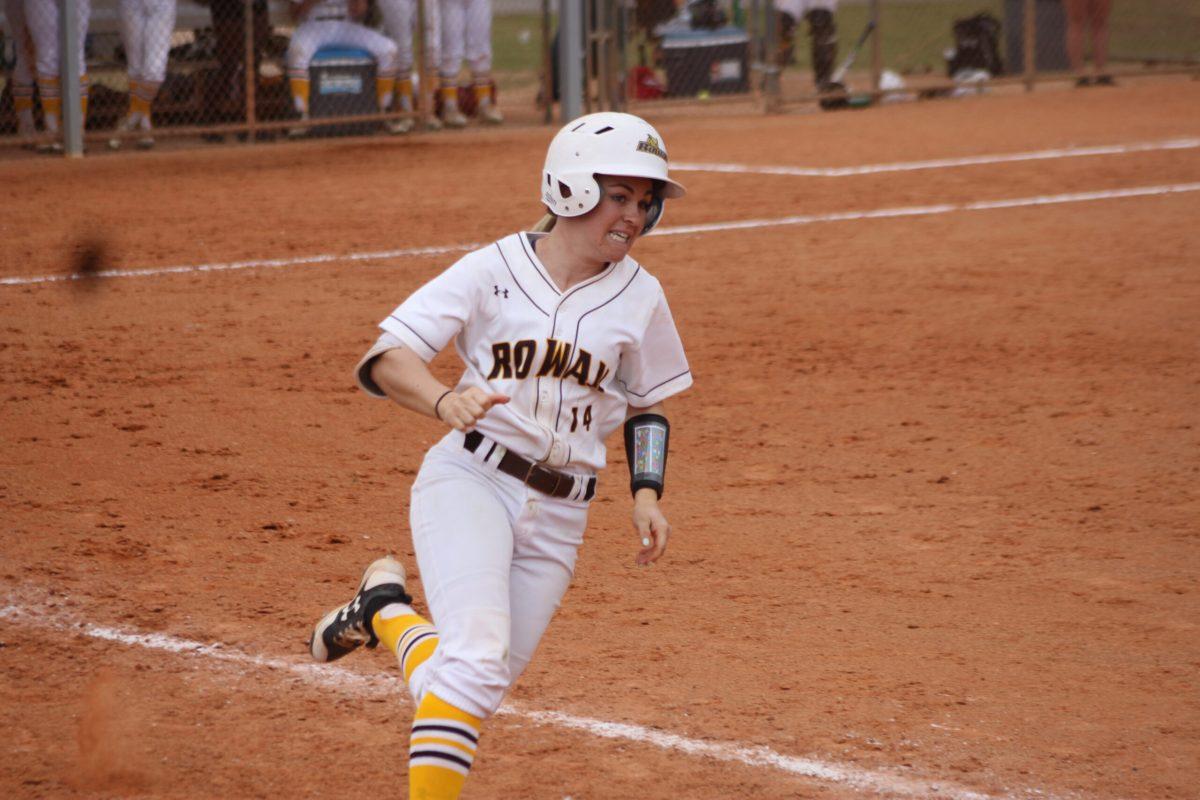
536 470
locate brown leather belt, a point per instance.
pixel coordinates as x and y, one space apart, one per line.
534 475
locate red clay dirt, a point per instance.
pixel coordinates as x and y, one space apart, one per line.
935 489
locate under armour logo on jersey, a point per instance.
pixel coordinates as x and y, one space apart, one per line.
500 292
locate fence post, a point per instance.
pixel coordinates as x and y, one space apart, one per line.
72 92
876 47
1030 43
589 49
251 73
771 68
425 99
547 66
570 59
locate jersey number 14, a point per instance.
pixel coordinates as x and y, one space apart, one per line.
587 418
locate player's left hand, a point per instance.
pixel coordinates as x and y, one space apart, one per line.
651 526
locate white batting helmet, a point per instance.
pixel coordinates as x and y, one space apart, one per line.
607 143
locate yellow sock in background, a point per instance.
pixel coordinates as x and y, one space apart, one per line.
300 88
139 105
384 88
441 750
50 92
404 93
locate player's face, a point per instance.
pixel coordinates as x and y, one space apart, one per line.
618 219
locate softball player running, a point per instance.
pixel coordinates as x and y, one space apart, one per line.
146 27
565 338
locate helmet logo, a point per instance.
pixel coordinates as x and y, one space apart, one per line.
651 145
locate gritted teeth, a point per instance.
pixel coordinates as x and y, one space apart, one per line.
621 237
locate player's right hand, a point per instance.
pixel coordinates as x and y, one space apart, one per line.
462 411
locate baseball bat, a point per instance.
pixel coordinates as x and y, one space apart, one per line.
848 61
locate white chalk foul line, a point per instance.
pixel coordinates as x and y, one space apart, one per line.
338 679
712 227
257 263
942 163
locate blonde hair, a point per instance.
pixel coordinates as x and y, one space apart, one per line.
545 224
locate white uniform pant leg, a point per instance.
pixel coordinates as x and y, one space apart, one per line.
463 537
42 18
381 48
160 22
398 17
400 20
477 38
548 536
307 39
132 15
18 31
453 33
495 560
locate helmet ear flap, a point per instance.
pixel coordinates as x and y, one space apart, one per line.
571 195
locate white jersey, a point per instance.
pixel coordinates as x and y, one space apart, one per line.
572 362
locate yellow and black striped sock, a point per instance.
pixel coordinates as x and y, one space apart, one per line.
385 86
23 106
300 88
441 750
407 634
404 93
51 94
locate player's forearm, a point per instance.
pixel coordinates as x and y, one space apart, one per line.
657 408
407 381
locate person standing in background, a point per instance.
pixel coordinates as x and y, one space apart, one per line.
467 33
399 22
42 20
21 78
822 33
1091 14
225 94
146 27
335 22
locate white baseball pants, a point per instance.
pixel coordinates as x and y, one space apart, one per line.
400 20
41 16
18 31
495 559
146 27
312 35
466 33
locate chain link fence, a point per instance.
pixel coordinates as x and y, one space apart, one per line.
263 69
271 69
777 53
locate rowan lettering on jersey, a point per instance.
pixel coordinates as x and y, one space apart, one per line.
515 360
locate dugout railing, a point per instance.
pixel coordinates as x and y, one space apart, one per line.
218 69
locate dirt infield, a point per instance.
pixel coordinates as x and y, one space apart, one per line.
935 489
